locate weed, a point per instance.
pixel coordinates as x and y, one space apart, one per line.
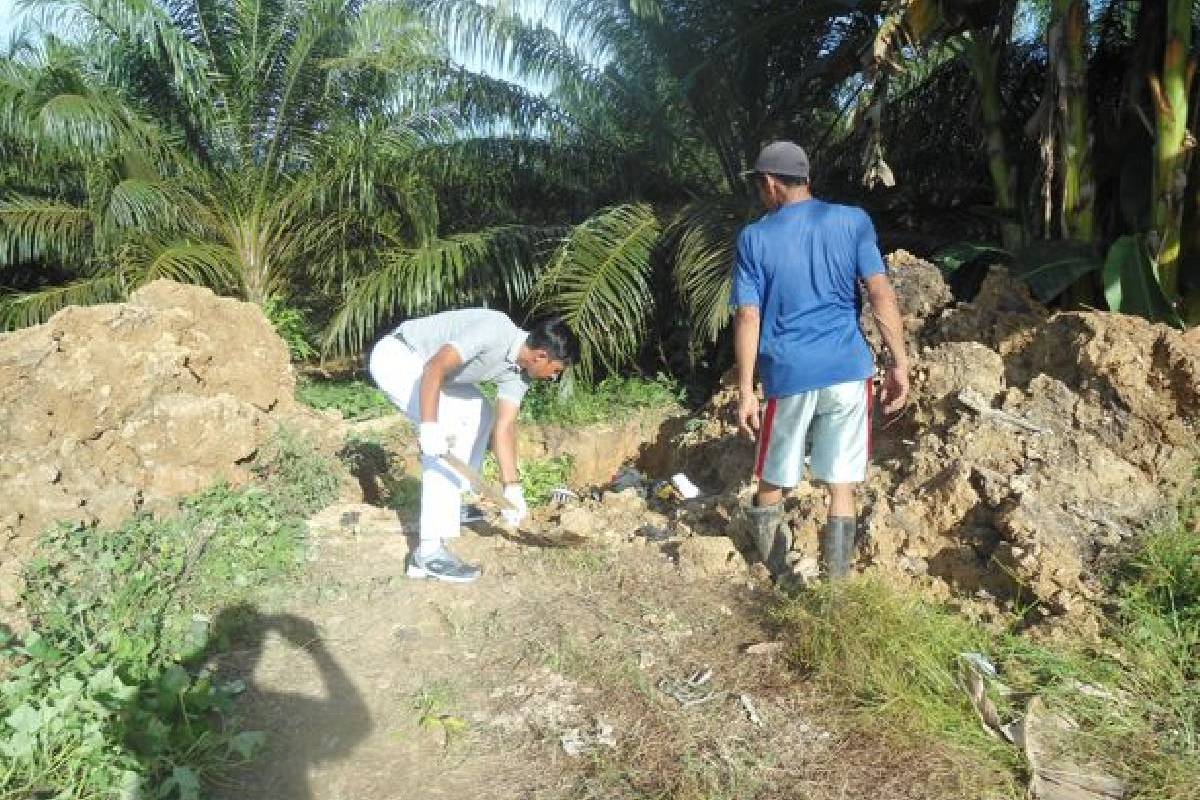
539 476
300 479
611 398
100 698
587 561
432 704
889 652
894 655
291 324
354 399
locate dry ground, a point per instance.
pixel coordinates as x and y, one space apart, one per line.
373 686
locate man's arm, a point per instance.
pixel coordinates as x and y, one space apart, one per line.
746 324
891 327
504 441
443 362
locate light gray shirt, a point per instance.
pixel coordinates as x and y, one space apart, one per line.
487 341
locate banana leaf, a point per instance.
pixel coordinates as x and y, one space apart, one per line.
1129 283
1051 267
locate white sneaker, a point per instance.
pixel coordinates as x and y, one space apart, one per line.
442 566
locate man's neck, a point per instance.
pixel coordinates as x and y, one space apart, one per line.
800 194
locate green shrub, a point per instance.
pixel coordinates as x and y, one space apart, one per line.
539 476
355 399
580 404
292 326
103 699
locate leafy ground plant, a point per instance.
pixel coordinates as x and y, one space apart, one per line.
539 476
101 698
354 399
611 398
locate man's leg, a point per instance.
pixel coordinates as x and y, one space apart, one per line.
468 419
841 449
779 465
396 370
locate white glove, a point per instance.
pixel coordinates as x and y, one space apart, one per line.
433 439
514 494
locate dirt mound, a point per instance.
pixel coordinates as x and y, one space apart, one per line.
1035 446
110 409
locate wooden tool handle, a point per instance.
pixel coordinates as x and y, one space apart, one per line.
481 487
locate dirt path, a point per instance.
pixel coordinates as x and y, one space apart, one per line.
372 686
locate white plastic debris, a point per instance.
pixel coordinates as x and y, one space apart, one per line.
686 488
751 711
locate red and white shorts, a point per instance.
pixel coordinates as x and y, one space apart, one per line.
837 421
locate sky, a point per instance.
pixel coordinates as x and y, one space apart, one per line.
8 16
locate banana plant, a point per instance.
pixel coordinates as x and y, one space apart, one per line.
1174 144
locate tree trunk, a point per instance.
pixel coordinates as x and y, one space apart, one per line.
982 58
1189 272
1172 146
1069 24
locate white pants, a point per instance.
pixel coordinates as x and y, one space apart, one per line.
465 414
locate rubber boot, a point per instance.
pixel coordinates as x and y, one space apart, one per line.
837 547
771 537
849 542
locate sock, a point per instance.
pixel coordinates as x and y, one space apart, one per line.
428 547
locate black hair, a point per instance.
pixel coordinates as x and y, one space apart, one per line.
790 181
553 336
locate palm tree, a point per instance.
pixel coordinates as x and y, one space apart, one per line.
255 147
678 97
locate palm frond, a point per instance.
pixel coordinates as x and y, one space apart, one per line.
495 36
33 308
201 263
497 263
140 23
33 228
599 282
701 237
141 205
386 37
483 102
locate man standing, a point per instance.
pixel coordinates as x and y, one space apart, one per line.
796 288
431 368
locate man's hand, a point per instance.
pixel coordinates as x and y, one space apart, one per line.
514 494
748 413
895 389
432 437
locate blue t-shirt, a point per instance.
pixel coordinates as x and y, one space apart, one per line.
801 266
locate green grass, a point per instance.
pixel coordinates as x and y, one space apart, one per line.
354 399
611 398
895 658
104 697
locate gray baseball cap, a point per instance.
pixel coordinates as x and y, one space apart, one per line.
781 158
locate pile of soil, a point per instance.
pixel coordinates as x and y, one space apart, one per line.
1036 446
112 409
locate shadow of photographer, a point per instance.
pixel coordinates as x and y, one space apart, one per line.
303 730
